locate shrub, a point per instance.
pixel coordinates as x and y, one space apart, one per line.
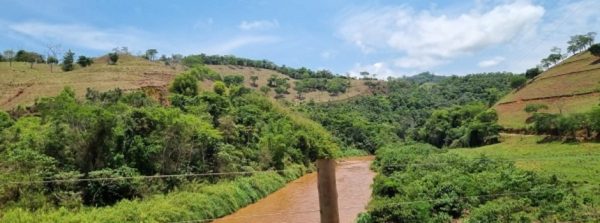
595 49
67 64
113 58
185 84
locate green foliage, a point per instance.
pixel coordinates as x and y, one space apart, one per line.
517 82
532 108
337 85
195 201
67 64
231 80
113 58
51 60
84 61
254 79
565 126
185 84
299 73
461 126
532 72
595 49
204 73
265 90
220 88
418 183
117 134
370 122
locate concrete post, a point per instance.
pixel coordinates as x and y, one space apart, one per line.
328 201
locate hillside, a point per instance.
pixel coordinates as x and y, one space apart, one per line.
569 87
357 87
21 85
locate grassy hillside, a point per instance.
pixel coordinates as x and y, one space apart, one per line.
577 163
21 85
569 87
357 87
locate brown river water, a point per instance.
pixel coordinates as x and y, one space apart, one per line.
298 202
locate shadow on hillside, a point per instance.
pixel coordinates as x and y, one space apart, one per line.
595 62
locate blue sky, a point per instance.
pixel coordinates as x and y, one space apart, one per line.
390 38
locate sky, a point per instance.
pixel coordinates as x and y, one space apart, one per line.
389 38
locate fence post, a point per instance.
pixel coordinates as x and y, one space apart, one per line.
328 201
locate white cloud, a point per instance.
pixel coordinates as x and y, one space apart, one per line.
381 69
258 25
81 35
238 42
491 62
427 40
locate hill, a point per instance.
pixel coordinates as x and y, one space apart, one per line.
356 88
569 87
21 85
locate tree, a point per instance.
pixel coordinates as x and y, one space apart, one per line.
51 60
67 64
265 90
517 82
113 58
220 88
254 79
185 84
9 55
279 90
300 89
231 80
151 53
84 61
532 72
364 74
595 49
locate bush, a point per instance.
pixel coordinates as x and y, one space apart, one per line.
595 49
517 82
419 183
231 80
533 72
193 202
67 64
113 58
185 84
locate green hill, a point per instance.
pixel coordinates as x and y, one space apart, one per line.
569 87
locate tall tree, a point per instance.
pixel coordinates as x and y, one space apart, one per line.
151 53
68 61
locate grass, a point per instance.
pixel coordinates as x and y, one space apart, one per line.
191 203
21 85
577 75
577 163
357 87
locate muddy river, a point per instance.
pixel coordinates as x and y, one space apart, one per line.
298 202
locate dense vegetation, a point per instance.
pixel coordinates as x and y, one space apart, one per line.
296 73
419 183
564 126
116 134
405 112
